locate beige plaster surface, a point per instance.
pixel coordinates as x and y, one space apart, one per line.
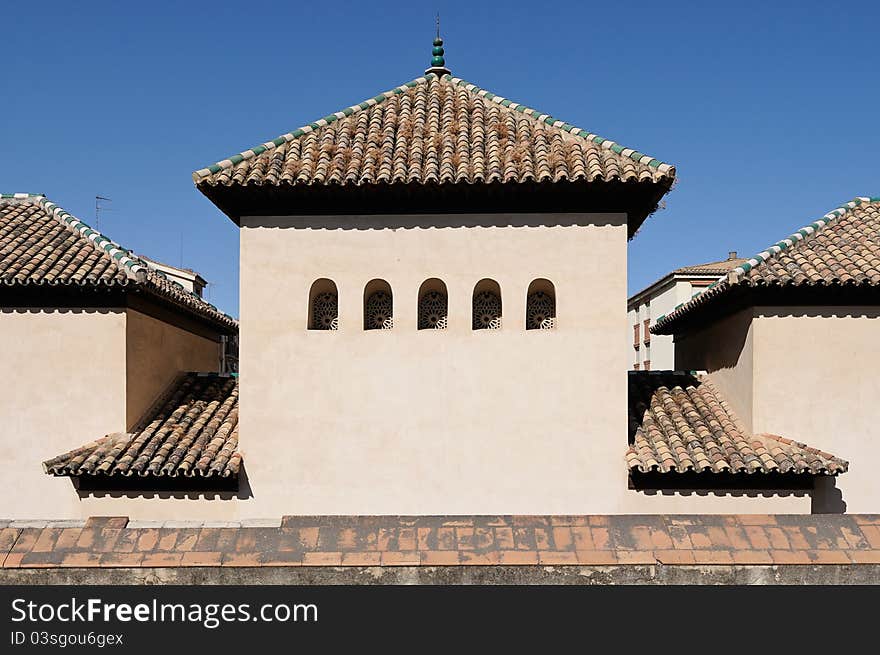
816 381
805 373
65 387
725 350
459 421
156 352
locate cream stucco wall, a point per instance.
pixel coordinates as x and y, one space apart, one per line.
805 373
77 375
442 422
452 421
156 352
816 380
65 386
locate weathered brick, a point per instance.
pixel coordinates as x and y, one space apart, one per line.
596 557
161 559
751 557
563 538
557 557
46 540
362 558
582 538
107 522
518 557
400 558
678 556
504 539
232 558
122 560
81 560
439 558
406 539
321 558
789 557
757 537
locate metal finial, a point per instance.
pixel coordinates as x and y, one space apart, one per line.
438 63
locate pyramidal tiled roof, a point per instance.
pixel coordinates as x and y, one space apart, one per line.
42 245
192 431
680 423
435 129
841 249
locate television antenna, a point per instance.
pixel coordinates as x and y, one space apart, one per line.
100 208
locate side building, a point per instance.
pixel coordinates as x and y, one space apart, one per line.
642 309
92 336
790 338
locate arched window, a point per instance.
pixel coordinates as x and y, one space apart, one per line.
433 305
323 305
487 305
541 305
378 306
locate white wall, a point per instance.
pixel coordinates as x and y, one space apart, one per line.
65 387
454 421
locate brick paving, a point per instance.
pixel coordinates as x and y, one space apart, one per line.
388 541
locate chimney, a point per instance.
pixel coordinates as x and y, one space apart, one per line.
731 255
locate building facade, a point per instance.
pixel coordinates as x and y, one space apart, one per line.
657 351
789 337
93 336
448 270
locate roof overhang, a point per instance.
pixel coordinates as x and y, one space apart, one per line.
710 307
637 199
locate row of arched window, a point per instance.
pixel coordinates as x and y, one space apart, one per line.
433 304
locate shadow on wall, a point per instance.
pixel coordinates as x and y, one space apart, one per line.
818 312
717 346
180 488
827 498
408 222
728 493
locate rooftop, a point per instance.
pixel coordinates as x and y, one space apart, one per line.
436 131
709 269
191 431
44 247
680 423
840 251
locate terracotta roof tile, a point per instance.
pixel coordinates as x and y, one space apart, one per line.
841 249
43 245
192 431
711 268
680 423
435 130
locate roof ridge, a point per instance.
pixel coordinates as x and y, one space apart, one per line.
736 274
133 266
122 256
547 119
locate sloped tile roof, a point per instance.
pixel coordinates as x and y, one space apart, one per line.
711 268
841 249
42 245
192 431
680 423
435 130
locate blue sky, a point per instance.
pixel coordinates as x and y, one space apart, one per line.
768 110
